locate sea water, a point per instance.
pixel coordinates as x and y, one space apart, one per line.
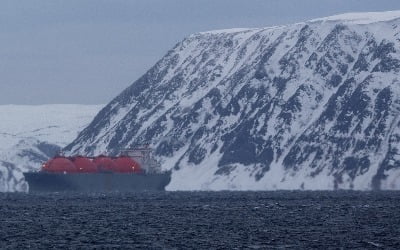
201 220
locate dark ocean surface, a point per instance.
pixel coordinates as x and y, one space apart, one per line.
202 220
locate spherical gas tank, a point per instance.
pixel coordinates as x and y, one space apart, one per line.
59 164
84 165
126 164
104 164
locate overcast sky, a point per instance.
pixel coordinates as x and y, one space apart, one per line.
88 51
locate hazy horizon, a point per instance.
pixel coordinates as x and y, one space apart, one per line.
87 52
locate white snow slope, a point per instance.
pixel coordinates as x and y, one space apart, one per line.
30 135
312 105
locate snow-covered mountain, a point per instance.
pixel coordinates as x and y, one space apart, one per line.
312 105
29 135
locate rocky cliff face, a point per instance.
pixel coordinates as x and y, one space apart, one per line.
312 105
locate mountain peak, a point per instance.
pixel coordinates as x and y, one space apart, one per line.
361 17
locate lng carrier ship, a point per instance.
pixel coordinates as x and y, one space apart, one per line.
133 170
